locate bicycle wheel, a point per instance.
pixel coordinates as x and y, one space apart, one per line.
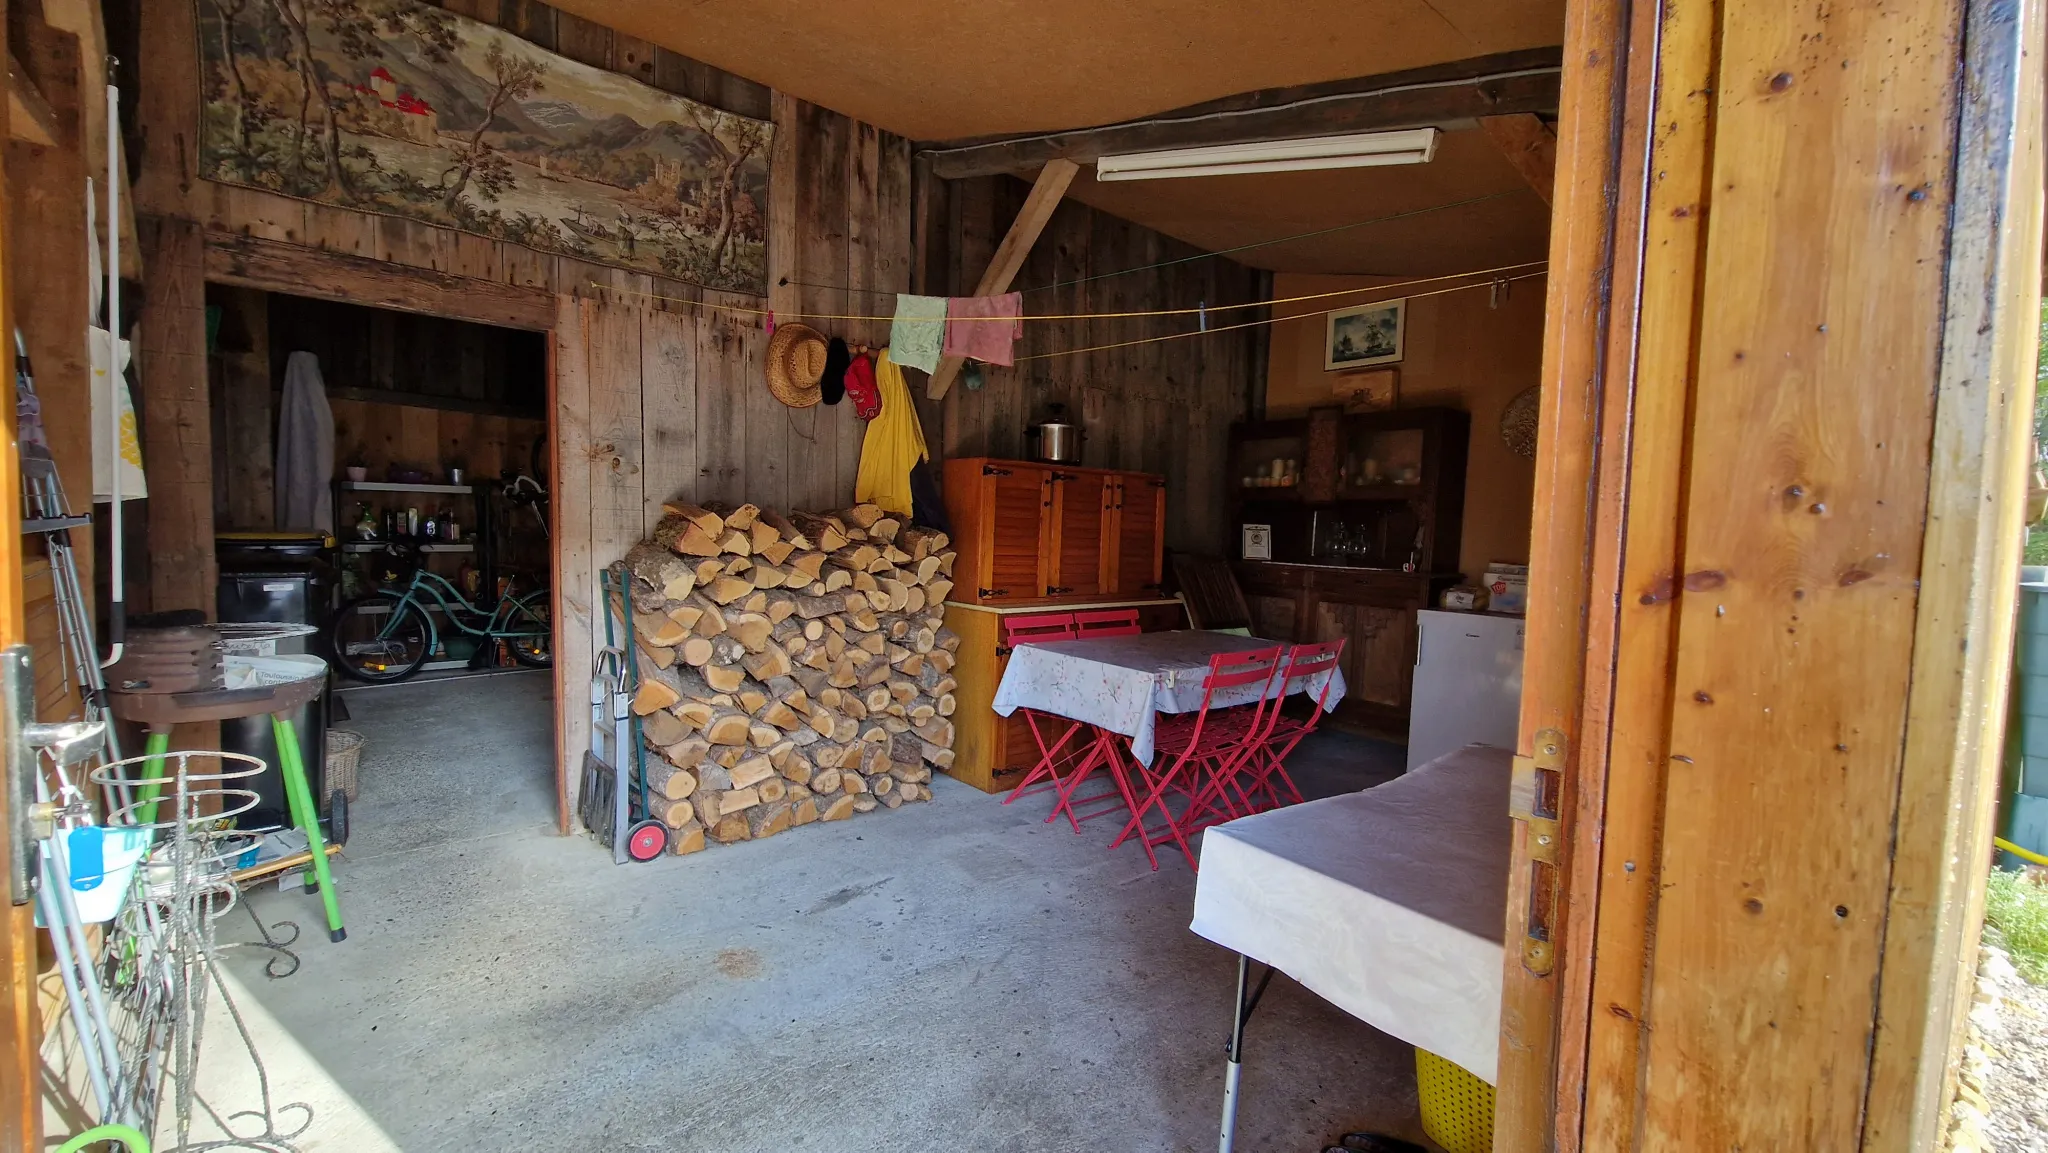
529 616
370 644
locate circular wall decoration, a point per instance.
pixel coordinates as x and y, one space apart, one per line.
1518 422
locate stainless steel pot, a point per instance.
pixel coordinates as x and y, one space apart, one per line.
1055 441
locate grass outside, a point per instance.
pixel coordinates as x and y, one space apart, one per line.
2016 912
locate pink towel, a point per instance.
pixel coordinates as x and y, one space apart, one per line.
990 341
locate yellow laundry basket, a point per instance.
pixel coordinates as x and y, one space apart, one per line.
1457 1107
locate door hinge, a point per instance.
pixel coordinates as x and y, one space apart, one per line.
1533 799
1056 590
1058 476
992 470
994 592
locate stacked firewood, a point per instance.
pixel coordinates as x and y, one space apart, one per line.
792 668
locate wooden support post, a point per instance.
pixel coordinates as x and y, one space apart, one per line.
177 427
1529 144
1002 268
29 117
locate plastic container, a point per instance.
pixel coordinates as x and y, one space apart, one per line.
1457 1107
344 749
103 862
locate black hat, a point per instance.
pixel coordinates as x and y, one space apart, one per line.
833 385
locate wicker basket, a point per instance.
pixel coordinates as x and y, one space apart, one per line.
344 749
1457 1107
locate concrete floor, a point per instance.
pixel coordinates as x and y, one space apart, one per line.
955 975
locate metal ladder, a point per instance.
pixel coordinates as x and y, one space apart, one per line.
46 512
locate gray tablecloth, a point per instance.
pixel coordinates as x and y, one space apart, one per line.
1123 683
1390 904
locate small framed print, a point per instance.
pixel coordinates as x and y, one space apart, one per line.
1368 389
1258 542
1367 335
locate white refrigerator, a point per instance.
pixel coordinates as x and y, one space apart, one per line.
1468 683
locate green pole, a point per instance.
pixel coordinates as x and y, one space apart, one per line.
307 814
132 1138
158 744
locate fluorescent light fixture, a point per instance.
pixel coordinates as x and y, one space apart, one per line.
1357 150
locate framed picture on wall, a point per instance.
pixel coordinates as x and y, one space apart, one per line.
1364 336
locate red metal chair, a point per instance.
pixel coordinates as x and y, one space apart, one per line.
1107 623
1283 733
1044 627
1201 756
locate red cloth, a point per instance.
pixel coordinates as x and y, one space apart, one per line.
990 341
860 388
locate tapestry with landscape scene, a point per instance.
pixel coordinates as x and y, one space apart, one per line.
400 108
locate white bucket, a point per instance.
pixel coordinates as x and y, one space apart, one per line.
102 873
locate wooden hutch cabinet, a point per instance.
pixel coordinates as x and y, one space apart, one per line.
1364 513
1032 538
1053 533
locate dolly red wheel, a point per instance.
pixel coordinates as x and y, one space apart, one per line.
647 840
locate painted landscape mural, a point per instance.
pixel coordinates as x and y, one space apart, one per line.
400 108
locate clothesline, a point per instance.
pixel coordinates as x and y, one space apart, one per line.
1197 310
1310 235
1263 320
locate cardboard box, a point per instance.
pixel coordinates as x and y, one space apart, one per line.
1507 586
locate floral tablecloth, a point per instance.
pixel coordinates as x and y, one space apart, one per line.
1123 683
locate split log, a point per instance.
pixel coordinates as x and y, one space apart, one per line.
687 753
729 727
768 819
774 552
937 731
865 803
673 813
710 618
662 728
941 660
857 557
862 515
773 789
803 812
703 518
781 607
885 529
762 735
669 781
762 536
688 839
736 516
724 678
893 799
782 717
835 578
922 542
938 755
663 571
709 569
798 770
811 565
767 576
825 781
752 771
946 703
712 779
874 644
786 529
838 809
824 533
736 542
727 589
737 799
811 608
851 781
751 630
658 688
696 652
936 592
685 614
730 830
657 630
769 663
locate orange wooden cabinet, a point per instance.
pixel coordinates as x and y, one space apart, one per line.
1052 533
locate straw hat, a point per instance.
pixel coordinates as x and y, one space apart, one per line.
796 362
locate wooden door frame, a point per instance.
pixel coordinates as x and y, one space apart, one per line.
1608 524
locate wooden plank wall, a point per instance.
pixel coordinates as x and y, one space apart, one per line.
1127 399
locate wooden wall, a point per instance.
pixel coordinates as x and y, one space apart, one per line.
1162 407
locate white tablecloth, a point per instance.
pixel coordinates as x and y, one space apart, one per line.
1389 903
1124 683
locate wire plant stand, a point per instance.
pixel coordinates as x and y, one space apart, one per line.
161 962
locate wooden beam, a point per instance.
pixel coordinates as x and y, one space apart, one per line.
275 266
1038 208
1529 144
29 117
1500 84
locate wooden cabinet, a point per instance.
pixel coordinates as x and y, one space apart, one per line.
990 752
1031 533
1373 610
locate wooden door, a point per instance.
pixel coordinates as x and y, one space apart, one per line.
1140 539
1082 504
20 1025
1017 501
1781 457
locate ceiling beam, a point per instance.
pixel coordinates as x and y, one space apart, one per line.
1045 196
1529 144
1500 84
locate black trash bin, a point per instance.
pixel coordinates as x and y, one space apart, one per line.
284 579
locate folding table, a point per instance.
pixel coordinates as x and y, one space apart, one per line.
1389 903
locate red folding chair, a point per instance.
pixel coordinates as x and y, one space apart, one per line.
1107 623
1043 627
1266 771
1201 756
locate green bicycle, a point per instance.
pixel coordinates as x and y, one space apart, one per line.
387 635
